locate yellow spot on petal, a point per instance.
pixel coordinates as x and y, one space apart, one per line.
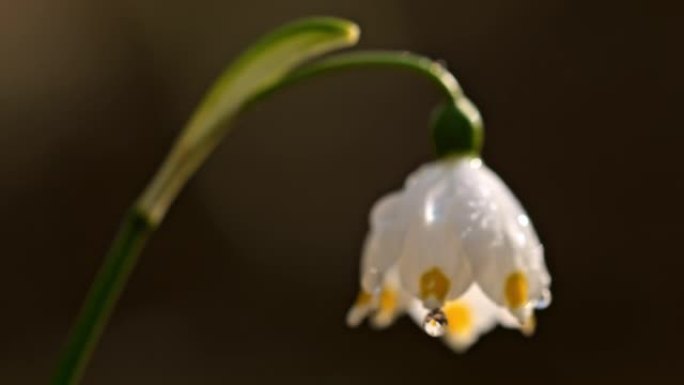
364 298
516 290
434 285
459 317
388 308
388 300
361 308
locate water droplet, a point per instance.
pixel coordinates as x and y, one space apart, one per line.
435 323
544 300
523 220
476 163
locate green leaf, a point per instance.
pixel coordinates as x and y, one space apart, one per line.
260 68
266 63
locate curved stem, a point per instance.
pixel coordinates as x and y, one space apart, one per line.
434 71
239 87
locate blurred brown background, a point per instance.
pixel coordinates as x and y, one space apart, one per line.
249 278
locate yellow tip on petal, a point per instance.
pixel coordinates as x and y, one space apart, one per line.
459 318
434 285
364 298
529 326
361 308
516 290
387 308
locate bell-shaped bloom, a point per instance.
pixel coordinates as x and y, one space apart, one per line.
456 251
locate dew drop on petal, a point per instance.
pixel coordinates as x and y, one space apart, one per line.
544 300
523 220
476 163
435 323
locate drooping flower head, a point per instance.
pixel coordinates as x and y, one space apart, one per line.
454 249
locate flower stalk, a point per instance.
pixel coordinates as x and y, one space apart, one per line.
276 61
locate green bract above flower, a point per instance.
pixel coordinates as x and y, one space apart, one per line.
455 250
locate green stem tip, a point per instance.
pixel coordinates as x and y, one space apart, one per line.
457 129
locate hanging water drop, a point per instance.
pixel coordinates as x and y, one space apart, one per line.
435 323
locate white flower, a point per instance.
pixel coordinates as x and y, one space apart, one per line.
456 251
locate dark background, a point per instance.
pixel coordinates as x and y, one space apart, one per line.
249 279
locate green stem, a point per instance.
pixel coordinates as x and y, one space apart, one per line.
102 297
456 124
433 71
188 154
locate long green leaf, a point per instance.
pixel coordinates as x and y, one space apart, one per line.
261 67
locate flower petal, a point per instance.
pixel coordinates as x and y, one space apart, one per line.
385 304
432 264
392 300
382 248
384 241
498 239
364 304
468 318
